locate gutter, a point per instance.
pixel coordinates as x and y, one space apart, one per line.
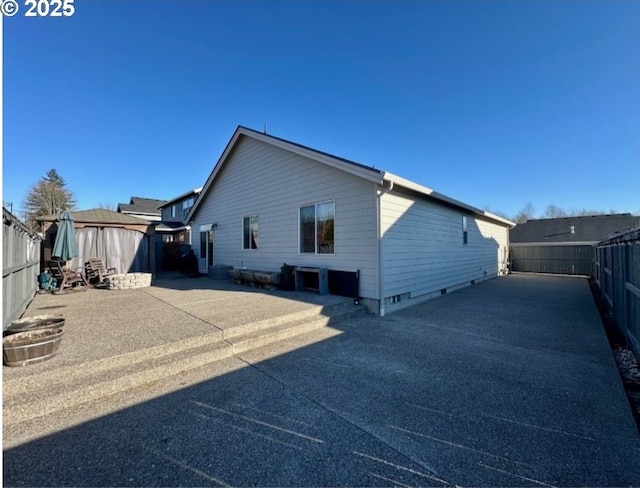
384 189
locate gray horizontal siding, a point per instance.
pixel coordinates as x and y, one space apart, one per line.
423 251
259 179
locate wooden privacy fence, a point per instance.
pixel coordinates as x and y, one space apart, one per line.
617 273
573 259
20 267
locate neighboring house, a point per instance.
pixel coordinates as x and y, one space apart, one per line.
564 245
173 227
121 241
269 201
144 208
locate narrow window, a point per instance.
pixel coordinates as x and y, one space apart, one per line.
250 232
317 223
325 213
173 211
465 234
203 244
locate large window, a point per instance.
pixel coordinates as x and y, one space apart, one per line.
250 232
317 228
186 206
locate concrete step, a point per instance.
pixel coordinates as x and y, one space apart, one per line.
41 395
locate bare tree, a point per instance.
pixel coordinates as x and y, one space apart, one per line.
48 196
108 206
585 212
553 212
527 213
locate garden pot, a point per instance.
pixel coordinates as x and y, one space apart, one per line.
36 322
31 347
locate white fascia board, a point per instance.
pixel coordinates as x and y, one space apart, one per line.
410 185
367 174
216 170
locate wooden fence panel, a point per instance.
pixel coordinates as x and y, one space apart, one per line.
20 267
618 277
560 259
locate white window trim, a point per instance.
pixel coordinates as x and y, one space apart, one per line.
315 228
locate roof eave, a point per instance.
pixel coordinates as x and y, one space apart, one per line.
410 185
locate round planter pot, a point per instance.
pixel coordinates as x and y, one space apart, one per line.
36 322
31 347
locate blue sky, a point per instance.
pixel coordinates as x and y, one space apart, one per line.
496 103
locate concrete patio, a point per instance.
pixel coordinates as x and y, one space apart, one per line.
507 383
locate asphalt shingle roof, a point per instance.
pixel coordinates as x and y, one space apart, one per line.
149 206
98 215
593 228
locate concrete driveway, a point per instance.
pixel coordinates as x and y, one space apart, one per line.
507 383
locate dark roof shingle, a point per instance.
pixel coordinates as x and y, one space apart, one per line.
149 206
593 228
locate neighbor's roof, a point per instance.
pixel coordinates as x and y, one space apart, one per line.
589 229
140 205
367 172
98 216
194 192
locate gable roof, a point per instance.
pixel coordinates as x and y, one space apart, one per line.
357 169
588 229
140 205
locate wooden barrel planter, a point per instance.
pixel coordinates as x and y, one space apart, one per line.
36 322
31 347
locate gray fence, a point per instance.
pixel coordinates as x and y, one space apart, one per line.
572 260
617 273
20 267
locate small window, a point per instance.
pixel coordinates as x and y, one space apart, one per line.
250 232
465 233
317 228
173 211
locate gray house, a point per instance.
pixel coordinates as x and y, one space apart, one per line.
269 201
173 214
143 208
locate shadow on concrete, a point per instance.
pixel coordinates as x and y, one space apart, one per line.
506 383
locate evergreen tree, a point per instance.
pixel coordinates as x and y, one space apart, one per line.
49 196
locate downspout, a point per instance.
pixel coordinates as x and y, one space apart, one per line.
384 189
